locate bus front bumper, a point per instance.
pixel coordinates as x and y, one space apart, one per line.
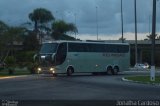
46 70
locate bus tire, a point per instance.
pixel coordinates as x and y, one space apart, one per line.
109 70
94 73
70 71
54 75
116 70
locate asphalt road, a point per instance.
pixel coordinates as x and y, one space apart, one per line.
77 87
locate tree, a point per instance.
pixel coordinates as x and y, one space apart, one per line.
72 28
61 28
149 37
3 28
158 37
40 16
121 39
31 42
13 35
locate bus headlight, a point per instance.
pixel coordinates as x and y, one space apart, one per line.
51 69
53 72
39 69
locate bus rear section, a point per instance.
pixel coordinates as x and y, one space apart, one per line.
94 57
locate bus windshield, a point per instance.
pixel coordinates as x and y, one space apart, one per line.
48 48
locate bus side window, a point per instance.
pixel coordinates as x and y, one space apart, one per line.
61 53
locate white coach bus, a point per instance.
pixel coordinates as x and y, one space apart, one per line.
68 57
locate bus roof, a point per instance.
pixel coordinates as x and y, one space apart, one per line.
85 41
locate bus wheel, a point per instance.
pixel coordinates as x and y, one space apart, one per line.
109 70
94 73
69 71
116 70
54 75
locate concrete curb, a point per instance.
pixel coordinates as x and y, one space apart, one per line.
8 77
124 79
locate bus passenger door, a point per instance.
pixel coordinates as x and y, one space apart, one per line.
61 53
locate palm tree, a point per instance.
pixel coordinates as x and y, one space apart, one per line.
149 37
40 16
61 28
72 28
158 37
122 38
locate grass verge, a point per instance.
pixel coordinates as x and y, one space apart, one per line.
144 79
5 72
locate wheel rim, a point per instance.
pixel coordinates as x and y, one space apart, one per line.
109 71
115 70
69 72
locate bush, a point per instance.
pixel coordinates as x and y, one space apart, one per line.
11 63
22 59
1 68
26 56
32 67
11 71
